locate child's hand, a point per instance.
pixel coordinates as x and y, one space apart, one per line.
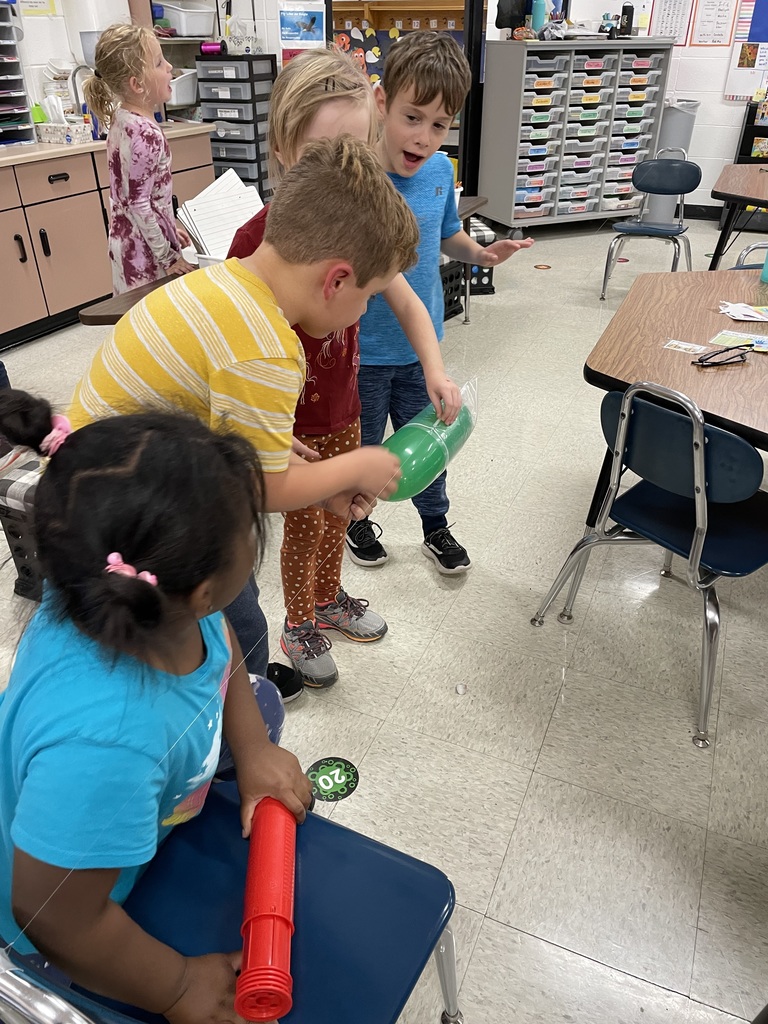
499 251
272 771
184 239
208 995
180 267
445 396
304 451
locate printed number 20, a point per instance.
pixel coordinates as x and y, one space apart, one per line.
335 778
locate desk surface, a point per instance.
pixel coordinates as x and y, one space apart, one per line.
684 306
746 183
469 205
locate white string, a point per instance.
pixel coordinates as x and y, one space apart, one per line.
202 711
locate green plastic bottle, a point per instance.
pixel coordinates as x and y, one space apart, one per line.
425 445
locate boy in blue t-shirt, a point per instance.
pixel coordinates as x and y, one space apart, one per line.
425 82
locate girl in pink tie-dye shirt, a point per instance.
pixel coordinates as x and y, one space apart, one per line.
131 80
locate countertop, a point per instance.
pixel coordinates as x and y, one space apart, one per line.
10 156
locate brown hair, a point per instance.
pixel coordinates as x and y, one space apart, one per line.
121 54
309 80
433 64
337 203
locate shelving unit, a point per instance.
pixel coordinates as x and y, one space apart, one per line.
580 115
15 117
234 94
381 15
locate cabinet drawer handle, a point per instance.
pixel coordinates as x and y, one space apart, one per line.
53 178
44 242
22 249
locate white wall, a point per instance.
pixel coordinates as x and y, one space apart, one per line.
266 21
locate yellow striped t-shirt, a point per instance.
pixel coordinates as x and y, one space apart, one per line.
214 343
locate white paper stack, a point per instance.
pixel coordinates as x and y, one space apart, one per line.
213 217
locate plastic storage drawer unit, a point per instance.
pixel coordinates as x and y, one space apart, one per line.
543 99
642 95
547 65
534 181
592 80
621 204
586 115
538 150
572 193
525 212
538 195
539 117
579 206
591 130
587 146
582 162
239 132
627 113
537 133
581 177
537 166
638 79
634 62
594 62
227 150
622 159
545 83
589 98
618 174
252 174
229 70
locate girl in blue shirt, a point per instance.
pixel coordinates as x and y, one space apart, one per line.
126 683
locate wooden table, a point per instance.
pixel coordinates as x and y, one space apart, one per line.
110 310
739 185
468 207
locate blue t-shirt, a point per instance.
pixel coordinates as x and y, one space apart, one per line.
430 195
99 759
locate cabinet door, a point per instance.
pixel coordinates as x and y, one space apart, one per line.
187 184
190 151
71 248
23 300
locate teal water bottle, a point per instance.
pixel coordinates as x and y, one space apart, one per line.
538 14
764 274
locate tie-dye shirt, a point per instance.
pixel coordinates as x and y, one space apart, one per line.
143 241
101 756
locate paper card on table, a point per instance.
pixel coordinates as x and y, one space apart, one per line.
729 339
743 311
686 346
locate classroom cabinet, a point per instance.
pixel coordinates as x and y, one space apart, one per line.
23 293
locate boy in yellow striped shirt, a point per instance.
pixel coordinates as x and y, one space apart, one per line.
218 342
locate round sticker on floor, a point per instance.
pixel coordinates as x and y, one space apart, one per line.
333 778
622 259
541 266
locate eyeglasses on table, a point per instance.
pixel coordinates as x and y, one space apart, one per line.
723 356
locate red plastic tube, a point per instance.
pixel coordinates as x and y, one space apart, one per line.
264 987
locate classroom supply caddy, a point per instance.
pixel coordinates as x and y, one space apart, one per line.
235 91
563 123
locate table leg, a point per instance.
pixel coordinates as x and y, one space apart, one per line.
732 211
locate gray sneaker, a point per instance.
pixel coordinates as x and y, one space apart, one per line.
309 655
350 616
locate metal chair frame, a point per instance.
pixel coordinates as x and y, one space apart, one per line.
677 240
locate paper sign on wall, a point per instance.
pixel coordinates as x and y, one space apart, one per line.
749 57
671 18
302 25
712 23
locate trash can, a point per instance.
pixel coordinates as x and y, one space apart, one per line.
676 130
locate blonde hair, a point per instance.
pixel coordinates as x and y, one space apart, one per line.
309 80
433 64
338 203
121 54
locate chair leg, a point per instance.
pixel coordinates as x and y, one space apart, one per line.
676 257
666 569
687 249
614 251
709 641
574 565
445 961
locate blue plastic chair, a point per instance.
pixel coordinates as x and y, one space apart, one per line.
741 261
697 498
367 920
658 178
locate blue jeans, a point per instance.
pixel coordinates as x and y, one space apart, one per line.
400 393
272 711
250 627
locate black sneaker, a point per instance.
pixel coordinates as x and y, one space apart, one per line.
446 552
363 543
286 679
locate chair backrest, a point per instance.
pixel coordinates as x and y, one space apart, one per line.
659 448
666 177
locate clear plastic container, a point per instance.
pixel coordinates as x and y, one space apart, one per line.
541 117
224 110
574 193
594 61
538 151
248 172
642 95
536 181
627 113
225 91
618 188
619 173
592 79
641 61
589 97
588 115
623 159
541 83
621 204
582 162
591 130
579 206
547 65
638 79
533 196
628 129
238 132
537 133
588 146
543 99
526 212
232 69
572 177
537 166
229 150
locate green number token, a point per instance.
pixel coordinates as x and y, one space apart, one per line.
333 778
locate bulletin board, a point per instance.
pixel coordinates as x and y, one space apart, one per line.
749 59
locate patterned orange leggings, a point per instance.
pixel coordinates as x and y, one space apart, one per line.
313 540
